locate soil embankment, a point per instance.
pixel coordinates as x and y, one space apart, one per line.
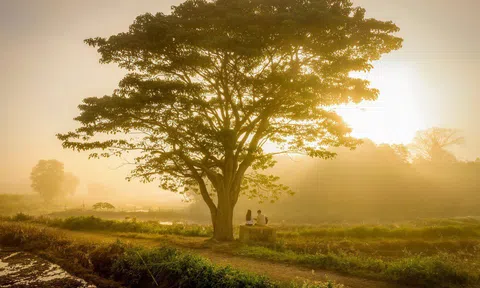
22 269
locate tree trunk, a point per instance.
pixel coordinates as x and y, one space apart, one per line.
223 223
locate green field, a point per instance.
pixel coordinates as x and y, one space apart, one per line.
427 253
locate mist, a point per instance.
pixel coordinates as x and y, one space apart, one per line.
233 143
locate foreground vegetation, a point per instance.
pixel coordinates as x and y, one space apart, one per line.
429 253
118 264
90 223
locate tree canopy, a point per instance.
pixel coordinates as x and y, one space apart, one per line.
47 178
103 205
50 181
212 82
432 144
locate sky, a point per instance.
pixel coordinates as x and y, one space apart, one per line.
46 71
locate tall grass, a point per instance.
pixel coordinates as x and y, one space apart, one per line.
426 231
131 266
383 248
91 223
442 270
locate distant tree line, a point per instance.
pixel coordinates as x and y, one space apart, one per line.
375 183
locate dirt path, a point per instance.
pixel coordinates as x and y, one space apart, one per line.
287 273
276 271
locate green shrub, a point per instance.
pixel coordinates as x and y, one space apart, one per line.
103 257
22 217
168 266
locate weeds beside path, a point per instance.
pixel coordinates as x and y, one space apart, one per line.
275 271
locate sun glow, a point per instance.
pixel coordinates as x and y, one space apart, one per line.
395 116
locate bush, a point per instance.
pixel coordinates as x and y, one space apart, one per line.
141 267
103 258
22 217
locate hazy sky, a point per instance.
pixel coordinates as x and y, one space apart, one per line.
46 70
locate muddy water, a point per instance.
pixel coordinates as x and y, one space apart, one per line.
20 269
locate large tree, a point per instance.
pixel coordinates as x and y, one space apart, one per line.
51 181
432 144
47 179
213 81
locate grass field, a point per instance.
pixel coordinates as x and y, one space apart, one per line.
117 264
427 253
